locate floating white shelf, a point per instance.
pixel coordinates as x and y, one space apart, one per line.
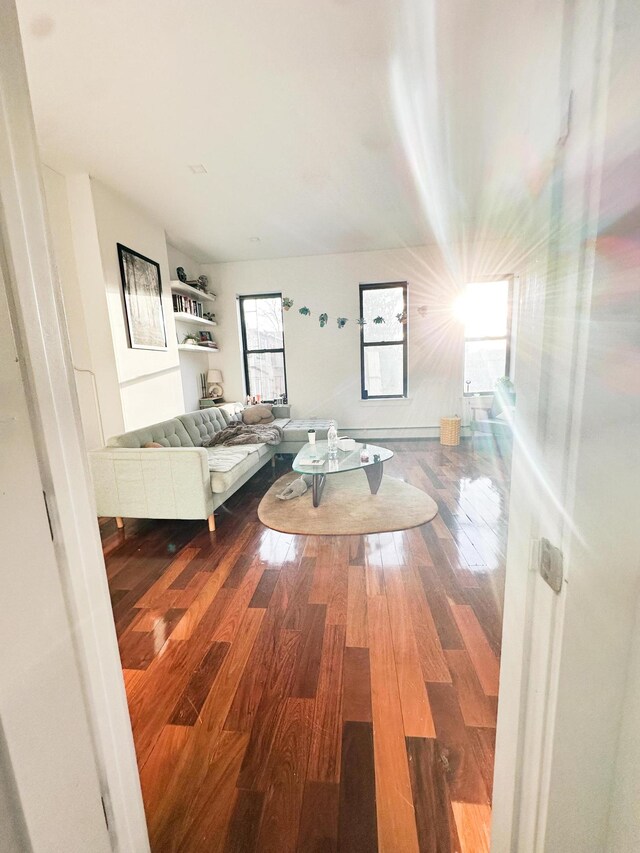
196 348
191 292
191 318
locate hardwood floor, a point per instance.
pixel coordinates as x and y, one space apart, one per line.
318 693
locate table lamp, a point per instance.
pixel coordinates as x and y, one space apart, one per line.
214 388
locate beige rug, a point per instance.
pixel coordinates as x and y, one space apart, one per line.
347 507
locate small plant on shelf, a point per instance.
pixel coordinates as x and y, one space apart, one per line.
192 339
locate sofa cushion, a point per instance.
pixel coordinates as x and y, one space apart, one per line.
223 480
296 430
202 424
223 459
167 433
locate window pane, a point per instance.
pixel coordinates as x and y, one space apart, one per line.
484 364
382 302
483 309
263 322
266 374
384 371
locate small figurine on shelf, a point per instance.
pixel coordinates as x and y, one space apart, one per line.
201 283
208 316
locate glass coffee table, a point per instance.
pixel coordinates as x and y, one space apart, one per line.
314 459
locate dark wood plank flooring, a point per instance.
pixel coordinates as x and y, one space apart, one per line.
301 693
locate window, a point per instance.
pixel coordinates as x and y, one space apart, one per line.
485 310
383 346
263 345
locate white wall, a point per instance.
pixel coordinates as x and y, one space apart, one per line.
624 828
323 365
118 388
13 833
176 258
76 250
150 382
55 186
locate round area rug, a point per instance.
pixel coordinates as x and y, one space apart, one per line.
347 507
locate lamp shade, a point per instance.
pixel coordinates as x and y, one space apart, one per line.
214 376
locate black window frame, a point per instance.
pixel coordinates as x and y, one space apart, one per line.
246 351
506 337
385 285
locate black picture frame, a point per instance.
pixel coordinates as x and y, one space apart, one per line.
142 299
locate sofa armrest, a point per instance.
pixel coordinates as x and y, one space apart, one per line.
161 482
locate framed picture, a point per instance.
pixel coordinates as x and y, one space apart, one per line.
142 291
205 336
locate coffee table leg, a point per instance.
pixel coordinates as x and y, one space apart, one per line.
374 476
318 487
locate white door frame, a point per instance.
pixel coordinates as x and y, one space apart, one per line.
40 328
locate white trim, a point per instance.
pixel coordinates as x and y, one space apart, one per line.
391 432
56 422
397 432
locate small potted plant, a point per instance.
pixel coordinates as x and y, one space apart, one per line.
191 339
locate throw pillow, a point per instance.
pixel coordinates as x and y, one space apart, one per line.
231 412
260 414
152 444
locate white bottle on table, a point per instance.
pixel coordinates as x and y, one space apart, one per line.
332 441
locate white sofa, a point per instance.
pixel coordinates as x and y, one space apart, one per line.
180 479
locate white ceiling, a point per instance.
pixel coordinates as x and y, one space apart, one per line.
291 106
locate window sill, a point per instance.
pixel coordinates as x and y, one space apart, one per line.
385 400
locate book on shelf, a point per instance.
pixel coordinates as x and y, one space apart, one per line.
186 305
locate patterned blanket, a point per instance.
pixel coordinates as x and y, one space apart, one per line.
236 434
